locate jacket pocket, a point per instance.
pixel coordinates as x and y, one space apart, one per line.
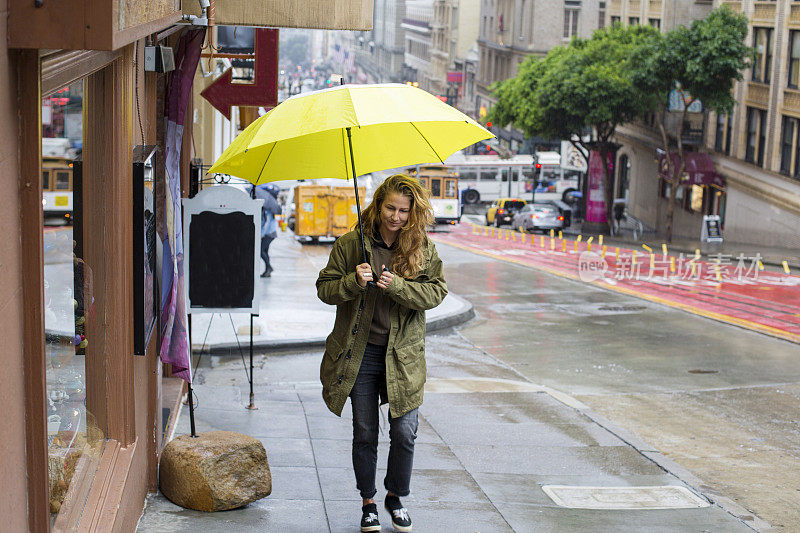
332 348
410 352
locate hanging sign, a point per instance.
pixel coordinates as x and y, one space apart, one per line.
223 93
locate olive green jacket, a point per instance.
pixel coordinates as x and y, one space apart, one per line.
344 347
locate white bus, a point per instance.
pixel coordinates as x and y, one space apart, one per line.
485 178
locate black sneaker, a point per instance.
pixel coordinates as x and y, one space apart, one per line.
369 518
400 519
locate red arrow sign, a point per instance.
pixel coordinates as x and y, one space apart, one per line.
223 93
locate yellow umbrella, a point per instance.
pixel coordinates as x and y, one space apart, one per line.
347 131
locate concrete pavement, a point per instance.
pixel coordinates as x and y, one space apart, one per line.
489 442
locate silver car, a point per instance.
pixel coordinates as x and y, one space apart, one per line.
541 217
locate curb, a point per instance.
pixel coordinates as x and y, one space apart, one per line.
465 313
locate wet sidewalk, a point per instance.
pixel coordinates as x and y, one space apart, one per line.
491 445
291 316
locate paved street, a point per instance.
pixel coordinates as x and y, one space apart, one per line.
718 400
556 382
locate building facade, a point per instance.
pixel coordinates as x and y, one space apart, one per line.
418 27
376 55
455 32
512 30
754 149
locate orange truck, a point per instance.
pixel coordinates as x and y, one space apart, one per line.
323 211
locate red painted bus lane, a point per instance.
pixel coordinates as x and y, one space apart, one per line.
733 290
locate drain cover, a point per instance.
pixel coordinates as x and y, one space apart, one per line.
660 497
701 371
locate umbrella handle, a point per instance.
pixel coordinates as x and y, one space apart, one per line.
358 204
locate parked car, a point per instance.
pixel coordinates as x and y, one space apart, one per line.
502 211
541 217
563 210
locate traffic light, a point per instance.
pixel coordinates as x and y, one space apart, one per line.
537 173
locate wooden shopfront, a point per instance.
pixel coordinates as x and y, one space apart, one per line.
90 405
83 412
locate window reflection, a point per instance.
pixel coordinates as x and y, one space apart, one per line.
73 438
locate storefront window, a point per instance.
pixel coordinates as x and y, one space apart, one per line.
73 438
623 177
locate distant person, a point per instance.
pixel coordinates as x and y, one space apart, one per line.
269 227
376 352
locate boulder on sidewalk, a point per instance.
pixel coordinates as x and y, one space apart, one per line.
216 471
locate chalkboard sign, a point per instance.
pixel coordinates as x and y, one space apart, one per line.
712 229
222 234
145 300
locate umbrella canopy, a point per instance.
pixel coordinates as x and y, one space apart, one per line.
391 125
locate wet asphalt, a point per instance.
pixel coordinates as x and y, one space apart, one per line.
553 383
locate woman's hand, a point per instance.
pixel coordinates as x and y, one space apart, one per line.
386 278
363 274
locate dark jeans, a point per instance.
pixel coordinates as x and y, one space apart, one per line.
365 399
266 240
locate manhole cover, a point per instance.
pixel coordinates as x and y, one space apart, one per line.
660 497
701 371
622 308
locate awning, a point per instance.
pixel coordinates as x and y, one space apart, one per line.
699 169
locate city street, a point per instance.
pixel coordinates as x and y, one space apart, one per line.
716 399
555 382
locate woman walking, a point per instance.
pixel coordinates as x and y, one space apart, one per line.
376 351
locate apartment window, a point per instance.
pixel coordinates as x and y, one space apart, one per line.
722 141
572 9
601 21
616 20
794 59
633 21
656 23
790 147
762 44
756 135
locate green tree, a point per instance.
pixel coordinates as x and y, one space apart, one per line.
699 63
583 86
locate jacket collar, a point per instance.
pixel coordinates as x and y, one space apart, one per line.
377 240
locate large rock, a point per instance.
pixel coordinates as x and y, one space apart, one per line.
216 471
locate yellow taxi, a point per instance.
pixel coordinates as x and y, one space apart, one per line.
502 211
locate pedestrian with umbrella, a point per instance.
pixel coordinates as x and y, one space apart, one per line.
377 347
269 227
376 352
